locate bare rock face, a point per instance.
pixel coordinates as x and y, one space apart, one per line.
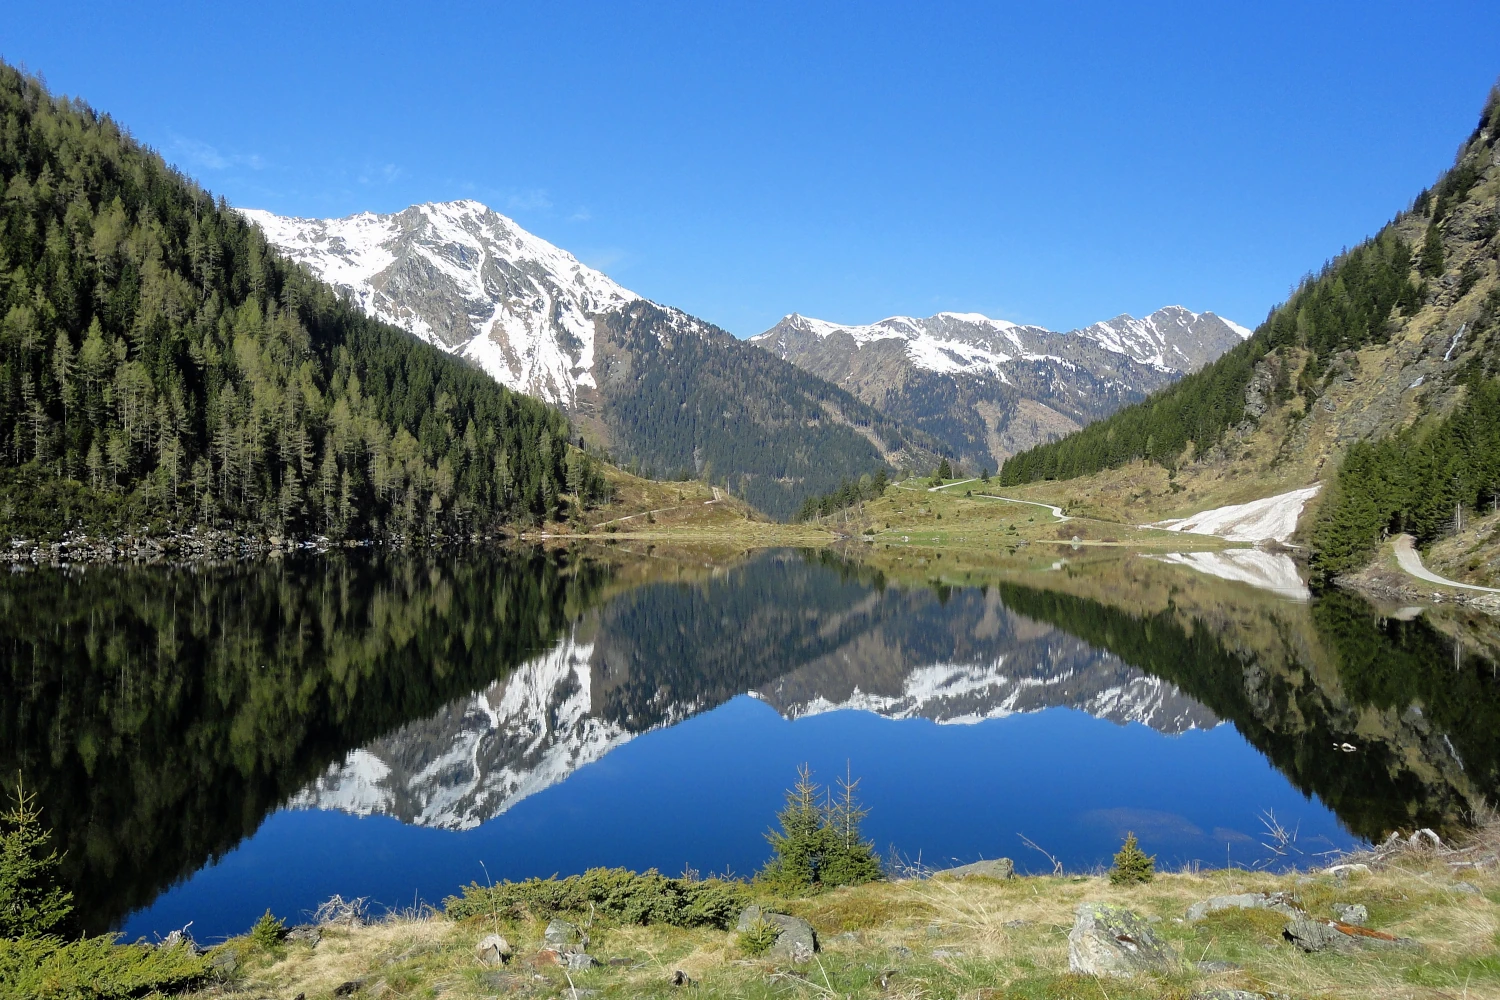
1108 940
1001 868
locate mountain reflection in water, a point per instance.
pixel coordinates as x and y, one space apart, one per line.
162 715
824 644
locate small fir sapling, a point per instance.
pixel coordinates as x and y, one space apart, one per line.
1132 865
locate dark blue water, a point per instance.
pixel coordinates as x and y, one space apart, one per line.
702 793
209 744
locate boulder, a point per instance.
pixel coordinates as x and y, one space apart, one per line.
577 961
795 938
1351 913
1277 901
1317 935
1214 966
1001 868
493 950
1108 940
1331 935
563 936
1468 887
304 934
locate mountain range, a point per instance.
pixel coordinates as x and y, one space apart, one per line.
672 394
666 393
987 388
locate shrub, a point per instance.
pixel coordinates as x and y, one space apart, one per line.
819 845
1132 864
46 968
268 932
31 902
758 938
630 897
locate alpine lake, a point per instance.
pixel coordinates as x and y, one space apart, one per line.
208 742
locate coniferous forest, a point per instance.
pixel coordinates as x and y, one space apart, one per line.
160 367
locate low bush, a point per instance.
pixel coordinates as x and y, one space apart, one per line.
630 897
48 968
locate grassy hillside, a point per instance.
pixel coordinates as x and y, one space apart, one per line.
1378 373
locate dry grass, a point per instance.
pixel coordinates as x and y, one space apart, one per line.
976 938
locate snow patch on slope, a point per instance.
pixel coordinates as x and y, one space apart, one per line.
1272 518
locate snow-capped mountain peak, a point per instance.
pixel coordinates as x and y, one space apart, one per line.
465 278
1172 337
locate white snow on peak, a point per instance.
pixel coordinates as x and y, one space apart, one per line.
967 693
1171 339
467 279
515 738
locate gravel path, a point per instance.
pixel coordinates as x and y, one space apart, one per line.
1411 561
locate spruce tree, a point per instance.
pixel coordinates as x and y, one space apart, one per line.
1432 258
1132 865
31 902
819 845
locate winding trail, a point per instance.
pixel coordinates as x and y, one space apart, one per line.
1056 511
1411 561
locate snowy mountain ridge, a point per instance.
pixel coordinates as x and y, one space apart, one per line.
467 279
1171 339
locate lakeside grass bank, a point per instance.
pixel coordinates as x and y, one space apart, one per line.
941 937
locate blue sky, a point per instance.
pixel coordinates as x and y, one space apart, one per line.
1053 163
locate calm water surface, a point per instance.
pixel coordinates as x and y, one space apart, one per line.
211 742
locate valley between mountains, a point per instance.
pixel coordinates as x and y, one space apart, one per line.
670 394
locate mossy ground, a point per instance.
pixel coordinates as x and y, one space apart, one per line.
937 938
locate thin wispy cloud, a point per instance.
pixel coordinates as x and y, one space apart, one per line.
605 259
382 173
203 156
534 200
580 214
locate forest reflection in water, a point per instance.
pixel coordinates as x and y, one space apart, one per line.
163 714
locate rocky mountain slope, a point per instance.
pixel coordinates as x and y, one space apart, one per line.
1398 336
665 392
988 388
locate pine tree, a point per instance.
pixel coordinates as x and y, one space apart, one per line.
1432 258
31 902
1132 865
819 845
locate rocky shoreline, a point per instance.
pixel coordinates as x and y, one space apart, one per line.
1383 585
200 546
